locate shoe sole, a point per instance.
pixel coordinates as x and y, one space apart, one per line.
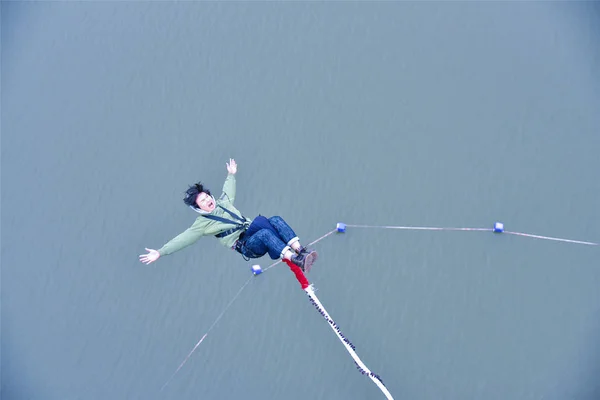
309 261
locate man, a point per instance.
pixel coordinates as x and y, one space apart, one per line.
251 238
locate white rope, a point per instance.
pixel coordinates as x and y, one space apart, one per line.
349 346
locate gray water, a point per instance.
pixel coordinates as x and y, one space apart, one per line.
427 114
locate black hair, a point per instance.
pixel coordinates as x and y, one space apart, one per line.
192 193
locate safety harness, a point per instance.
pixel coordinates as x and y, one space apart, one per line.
240 222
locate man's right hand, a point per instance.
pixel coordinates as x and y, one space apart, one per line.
150 257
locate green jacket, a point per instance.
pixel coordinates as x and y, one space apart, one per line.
208 227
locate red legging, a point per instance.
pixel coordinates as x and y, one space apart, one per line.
298 272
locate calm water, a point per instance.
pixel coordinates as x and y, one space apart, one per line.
435 114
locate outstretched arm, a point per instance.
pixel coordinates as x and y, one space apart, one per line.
229 185
179 242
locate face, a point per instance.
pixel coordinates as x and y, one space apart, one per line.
205 202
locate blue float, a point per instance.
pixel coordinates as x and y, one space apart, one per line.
256 269
498 227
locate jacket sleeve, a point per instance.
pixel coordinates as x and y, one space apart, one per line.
183 240
229 189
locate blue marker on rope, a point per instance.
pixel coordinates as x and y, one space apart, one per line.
498 227
256 269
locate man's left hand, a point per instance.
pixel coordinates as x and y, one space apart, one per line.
232 166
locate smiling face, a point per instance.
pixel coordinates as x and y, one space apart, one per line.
205 202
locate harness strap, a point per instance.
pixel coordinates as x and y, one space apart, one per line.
237 227
242 219
229 231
